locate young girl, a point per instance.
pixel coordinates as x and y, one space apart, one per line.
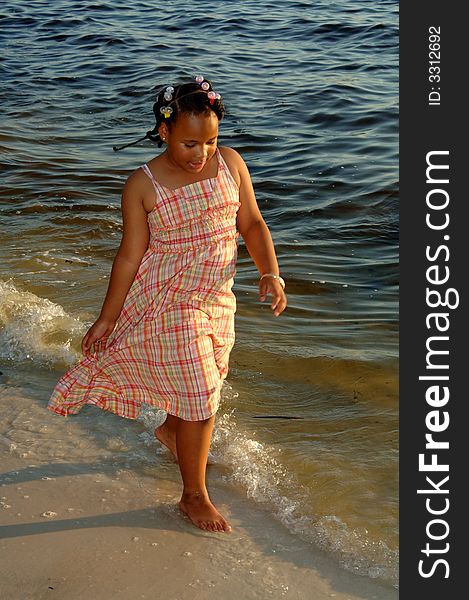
166 327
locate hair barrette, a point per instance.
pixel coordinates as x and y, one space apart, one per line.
212 96
168 93
166 111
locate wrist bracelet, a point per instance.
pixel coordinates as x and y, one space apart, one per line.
277 277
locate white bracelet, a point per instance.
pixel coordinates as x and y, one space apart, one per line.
277 277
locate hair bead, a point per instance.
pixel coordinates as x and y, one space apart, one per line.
166 111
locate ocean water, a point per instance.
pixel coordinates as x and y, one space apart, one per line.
308 423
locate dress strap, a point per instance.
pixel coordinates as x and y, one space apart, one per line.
146 168
222 166
221 160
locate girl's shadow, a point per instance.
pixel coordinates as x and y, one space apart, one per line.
147 518
156 517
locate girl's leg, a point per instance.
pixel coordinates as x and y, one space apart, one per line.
193 442
166 433
171 422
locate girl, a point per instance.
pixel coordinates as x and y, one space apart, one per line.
166 327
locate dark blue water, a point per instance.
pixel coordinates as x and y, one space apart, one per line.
311 97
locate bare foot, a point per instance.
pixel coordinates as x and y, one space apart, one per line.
167 439
198 507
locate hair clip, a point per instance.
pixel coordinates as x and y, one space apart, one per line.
168 93
206 87
203 84
166 111
212 96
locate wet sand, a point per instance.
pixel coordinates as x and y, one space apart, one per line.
74 530
91 536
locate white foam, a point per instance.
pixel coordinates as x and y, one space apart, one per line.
257 467
35 329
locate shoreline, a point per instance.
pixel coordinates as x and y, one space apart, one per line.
82 531
81 517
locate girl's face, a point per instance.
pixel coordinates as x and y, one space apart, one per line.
191 141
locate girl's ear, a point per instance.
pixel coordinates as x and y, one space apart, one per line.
163 131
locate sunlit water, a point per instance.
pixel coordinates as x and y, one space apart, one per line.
308 422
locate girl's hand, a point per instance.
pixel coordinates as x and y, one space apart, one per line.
269 285
97 335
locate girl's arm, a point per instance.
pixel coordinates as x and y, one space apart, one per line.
256 236
133 245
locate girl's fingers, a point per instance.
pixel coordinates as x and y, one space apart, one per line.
263 290
279 301
84 344
88 341
279 306
96 337
100 344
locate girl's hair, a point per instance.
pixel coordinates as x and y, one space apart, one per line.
187 98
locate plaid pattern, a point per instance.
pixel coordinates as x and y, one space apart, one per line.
171 344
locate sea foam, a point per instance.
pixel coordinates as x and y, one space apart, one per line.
35 329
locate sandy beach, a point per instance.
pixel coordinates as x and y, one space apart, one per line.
76 529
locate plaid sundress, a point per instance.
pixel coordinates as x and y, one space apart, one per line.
171 343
